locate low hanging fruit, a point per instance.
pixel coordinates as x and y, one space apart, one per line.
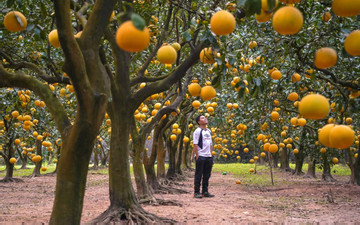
15 21
314 106
222 23
287 20
130 38
325 58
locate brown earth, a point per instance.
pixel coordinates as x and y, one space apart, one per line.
301 201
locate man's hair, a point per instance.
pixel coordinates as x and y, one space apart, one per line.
197 119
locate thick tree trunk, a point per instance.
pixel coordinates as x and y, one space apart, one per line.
24 163
186 156
299 158
172 153
74 163
351 166
357 171
180 154
326 176
96 159
123 202
161 158
36 171
299 162
311 169
141 185
284 160
275 158
149 162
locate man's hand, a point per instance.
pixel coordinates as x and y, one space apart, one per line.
197 156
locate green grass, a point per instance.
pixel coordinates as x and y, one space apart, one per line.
262 176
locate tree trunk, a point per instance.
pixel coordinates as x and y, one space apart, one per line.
275 158
36 171
186 156
172 153
74 163
299 158
311 169
180 154
24 163
123 202
141 185
96 159
149 162
284 160
161 158
357 171
299 162
351 166
326 176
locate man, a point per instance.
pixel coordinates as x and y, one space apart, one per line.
202 149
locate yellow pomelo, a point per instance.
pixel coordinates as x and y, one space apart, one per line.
166 54
207 93
194 89
341 136
222 23
314 106
131 39
287 20
324 135
15 21
263 16
54 38
352 43
273 148
325 58
207 55
293 96
346 8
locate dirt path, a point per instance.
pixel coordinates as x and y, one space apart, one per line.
302 201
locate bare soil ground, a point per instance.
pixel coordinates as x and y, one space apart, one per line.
300 201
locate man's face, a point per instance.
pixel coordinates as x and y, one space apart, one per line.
203 120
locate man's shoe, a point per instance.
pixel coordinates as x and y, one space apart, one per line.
197 195
207 195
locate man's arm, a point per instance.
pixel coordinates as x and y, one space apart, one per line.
195 150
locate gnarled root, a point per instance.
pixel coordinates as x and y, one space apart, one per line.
134 215
167 189
11 179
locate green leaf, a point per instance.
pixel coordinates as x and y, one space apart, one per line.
216 82
187 36
9 3
138 21
252 7
240 2
271 4
43 9
19 20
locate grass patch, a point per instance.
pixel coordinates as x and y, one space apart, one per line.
262 177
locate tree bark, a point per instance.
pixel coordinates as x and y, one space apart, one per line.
299 158
138 149
172 148
36 171
351 165
284 160
311 169
357 171
161 158
96 159
326 176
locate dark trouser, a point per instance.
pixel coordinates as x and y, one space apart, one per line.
203 170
